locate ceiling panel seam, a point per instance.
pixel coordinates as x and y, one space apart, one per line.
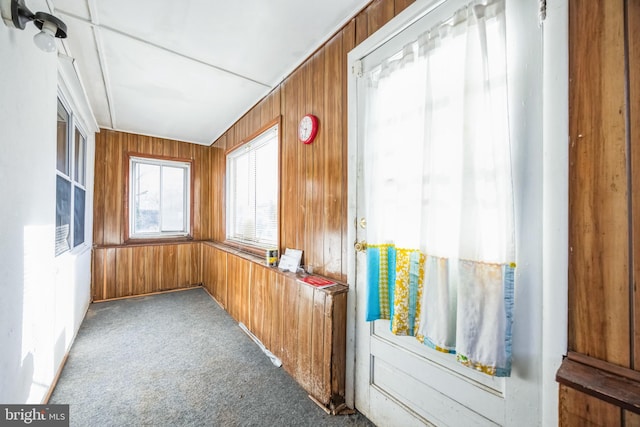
97 38
166 49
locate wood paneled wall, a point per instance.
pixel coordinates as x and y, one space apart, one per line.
109 194
604 208
313 195
304 327
122 271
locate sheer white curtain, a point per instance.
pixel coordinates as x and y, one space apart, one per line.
437 169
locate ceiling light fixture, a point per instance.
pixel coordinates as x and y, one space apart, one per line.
16 14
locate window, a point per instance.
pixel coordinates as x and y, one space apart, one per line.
252 191
70 182
159 197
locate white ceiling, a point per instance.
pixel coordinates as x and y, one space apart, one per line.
188 69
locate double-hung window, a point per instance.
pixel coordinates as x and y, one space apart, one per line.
159 197
252 191
70 182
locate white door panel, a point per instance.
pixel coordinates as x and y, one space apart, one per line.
430 388
423 400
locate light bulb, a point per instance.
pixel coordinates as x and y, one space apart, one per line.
46 39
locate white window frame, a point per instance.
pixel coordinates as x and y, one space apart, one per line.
187 166
269 135
73 125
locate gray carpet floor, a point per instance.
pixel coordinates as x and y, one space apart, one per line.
178 359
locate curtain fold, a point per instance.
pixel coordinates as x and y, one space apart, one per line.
438 184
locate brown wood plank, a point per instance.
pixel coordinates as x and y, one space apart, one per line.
334 184
348 43
320 387
362 27
113 190
183 265
221 277
290 325
602 365
598 225
197 193
123 272
289 206
255 116
257 301
268 308
327 388
315 246
99 188
232 285
109 290
138 273
207 266
631 419
338 347
580 410
400 5
245 301
197 250
303 105
305 332
602 384
169 267
208 205
153 270
379 13
633 31
277 308
170 149
217 206
307 158
97 273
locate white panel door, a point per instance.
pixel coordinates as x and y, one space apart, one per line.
398 381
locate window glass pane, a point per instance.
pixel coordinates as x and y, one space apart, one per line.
146 198
266 193
243 224
252 192
63 215
79 164
62 162
173 200
78 215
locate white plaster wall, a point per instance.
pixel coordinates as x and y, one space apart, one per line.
42 298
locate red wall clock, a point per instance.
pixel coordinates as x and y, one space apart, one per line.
308 128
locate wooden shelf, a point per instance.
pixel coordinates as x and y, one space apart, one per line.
603 380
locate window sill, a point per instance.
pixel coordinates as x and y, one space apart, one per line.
151 242
242 247
603 380
260 260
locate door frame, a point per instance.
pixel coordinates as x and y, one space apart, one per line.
551 262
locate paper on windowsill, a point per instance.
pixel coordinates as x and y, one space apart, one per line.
290 260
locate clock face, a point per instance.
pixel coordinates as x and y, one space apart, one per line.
308 128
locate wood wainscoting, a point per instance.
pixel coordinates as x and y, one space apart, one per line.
303 326
131 270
